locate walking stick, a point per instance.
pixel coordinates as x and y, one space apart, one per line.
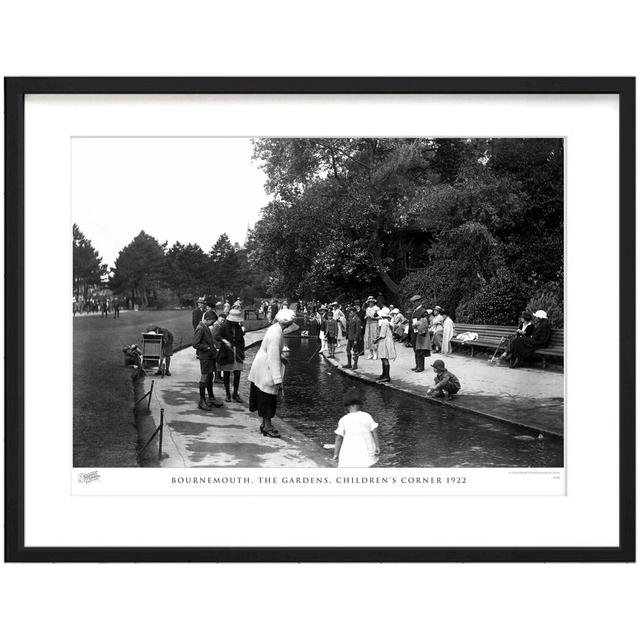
493 357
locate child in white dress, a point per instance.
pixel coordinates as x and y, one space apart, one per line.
357 443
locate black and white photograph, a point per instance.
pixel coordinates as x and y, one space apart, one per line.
275 302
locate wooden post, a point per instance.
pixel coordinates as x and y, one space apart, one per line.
150 394
160 434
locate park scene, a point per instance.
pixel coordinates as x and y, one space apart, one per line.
318 302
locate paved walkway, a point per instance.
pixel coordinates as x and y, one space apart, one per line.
528 397
224 437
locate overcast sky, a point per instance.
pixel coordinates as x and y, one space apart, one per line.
176 189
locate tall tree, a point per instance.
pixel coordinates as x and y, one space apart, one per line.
187 271
349 192
140 269
87 263
224 272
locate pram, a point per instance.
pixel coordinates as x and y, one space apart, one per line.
152 352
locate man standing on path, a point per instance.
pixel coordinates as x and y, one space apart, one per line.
116 308
206 352
418 308
198 312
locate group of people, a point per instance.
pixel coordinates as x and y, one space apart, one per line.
220 347
534 332
372 330
104 306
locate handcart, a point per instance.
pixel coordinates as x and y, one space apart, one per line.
152 348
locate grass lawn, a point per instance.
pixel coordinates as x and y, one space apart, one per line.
104 434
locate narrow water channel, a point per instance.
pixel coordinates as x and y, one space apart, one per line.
413 432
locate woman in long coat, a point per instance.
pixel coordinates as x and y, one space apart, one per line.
231 356
447 333
386 345
523 347
267 372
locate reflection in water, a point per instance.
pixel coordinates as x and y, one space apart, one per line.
413 433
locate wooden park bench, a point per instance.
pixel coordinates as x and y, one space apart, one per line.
490 336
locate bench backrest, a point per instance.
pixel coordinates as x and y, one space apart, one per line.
493 333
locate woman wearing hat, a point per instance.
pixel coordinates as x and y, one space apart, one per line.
398 323
525 328
437 327
341 319
523 347
447 333
267 372
386 345
371 328
231 357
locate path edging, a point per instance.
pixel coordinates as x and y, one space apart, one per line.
362 377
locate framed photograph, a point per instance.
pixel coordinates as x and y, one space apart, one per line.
320 319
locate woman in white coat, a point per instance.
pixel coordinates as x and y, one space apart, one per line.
448 329
267 372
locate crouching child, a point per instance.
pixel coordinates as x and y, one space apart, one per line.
446 383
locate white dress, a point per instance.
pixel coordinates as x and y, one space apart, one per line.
358 446
386 346
447 334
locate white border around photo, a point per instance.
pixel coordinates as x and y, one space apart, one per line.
586 516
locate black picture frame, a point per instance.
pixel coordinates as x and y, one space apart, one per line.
15 91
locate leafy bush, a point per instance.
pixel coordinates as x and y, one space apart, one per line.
437 283
499 301
549 298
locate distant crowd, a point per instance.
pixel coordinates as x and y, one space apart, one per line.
105 307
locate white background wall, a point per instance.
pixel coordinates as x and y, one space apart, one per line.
324 38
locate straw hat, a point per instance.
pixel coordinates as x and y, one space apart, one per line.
371 299
235 315
415 298
384 312
540 314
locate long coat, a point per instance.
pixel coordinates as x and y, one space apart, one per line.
415 315
203 343
232 331
267 369
523 347
423 337
196 316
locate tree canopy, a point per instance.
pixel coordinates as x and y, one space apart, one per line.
140 269
87 263
448 216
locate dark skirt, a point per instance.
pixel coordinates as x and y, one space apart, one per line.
524 347
264 403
